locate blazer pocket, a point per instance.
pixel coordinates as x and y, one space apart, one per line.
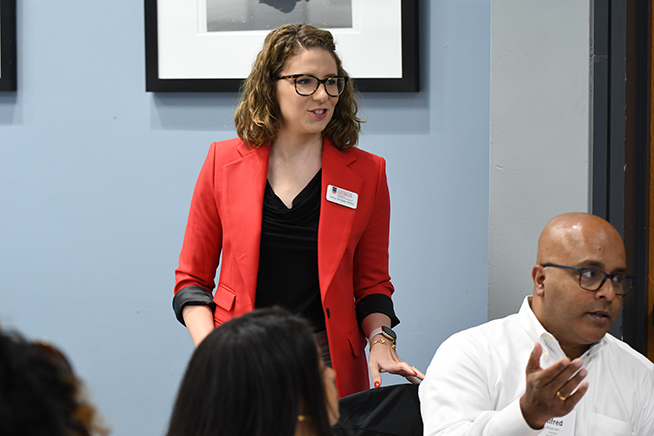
357 342
224 298
605 426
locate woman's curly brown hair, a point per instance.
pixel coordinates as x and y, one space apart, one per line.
257 116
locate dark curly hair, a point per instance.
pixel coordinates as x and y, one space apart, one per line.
39 393
257 116
253 376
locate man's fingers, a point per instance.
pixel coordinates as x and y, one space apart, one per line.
572 400
533 364
565 405
557 376
553 391
567 388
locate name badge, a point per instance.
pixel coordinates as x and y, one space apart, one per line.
342 196
560 426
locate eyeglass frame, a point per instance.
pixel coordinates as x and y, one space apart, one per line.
606 276
294 77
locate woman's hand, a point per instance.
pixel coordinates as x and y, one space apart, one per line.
383 358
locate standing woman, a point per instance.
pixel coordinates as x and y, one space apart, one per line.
300 216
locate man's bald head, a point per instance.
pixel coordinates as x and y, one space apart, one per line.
576 316
566 233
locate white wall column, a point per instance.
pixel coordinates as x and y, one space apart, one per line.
540 140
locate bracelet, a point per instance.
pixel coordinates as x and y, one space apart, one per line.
381 341
375 332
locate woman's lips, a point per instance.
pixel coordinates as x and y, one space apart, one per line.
319 113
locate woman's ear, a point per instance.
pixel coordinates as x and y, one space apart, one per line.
538 276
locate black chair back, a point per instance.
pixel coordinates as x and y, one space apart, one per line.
386 411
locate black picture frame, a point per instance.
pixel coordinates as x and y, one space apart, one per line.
8 45
409 82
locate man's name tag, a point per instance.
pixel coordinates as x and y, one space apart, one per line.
560 426
342 196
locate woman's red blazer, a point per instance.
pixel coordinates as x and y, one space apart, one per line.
225 218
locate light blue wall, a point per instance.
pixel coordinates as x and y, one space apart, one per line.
97 176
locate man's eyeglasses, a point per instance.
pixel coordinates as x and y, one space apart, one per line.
592 279
306 84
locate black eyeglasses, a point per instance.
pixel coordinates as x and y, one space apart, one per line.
306 84
592 279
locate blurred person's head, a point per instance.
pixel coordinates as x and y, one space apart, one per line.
257 375
39 392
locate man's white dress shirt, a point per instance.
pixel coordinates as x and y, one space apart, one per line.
474 383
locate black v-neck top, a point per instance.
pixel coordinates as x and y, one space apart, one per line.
288 258
288 262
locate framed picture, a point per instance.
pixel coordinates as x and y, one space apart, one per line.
7 45
210 45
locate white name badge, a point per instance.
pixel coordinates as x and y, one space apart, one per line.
342 196
560 426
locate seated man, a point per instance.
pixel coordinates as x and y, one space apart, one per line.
579 380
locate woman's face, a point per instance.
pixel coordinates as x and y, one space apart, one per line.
329 381
304 117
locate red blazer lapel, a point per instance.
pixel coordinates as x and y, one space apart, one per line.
245 184
335 220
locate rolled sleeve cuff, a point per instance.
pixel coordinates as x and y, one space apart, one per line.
376 303
191 296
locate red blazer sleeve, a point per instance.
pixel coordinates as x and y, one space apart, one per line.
371 255
202 245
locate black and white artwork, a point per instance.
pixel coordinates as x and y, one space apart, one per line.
210 45
235 15
7 45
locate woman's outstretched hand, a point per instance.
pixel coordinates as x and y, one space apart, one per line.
383 358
